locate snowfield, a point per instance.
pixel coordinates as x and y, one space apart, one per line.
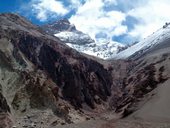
83 43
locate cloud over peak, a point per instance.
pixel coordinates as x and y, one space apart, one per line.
116 19
92 18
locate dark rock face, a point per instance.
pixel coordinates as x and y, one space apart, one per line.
3 104
5 120
80 79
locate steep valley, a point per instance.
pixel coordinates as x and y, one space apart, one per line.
44 83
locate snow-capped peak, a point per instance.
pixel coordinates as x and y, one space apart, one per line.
156 38
74 37
100 49
82 42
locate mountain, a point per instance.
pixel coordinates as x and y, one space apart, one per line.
75 39
147 44
146 85
45 83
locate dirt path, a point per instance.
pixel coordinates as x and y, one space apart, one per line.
93 123
128 123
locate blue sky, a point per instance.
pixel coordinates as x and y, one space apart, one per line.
114 20
8 6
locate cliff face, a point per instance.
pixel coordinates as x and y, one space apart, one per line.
79 78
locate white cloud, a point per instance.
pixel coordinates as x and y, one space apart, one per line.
92 19
43 8
119 30
75 4
152 15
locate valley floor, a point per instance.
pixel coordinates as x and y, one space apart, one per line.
130 123
122 123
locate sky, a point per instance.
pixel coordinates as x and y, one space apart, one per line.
123 21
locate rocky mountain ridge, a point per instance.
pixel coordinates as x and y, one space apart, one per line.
36 68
